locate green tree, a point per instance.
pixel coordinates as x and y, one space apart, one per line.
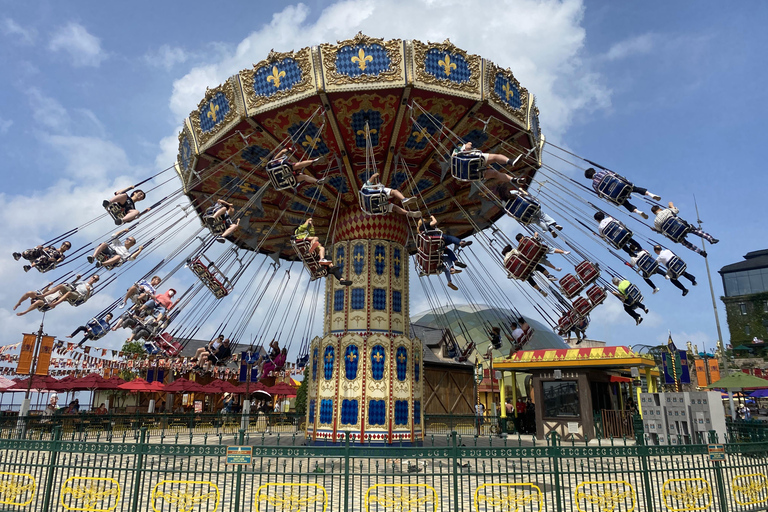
133 348
301 394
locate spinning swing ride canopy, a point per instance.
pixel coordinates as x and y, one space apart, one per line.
418 100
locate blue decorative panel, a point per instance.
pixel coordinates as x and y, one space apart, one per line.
338 300
231 184
401 412
447 66
416 368
417 412
378 360
397 179
351 360
437 196
374 126
377 412
369 59
396 262
339 183
305 136
425 126
349 409
312 410
379 299
357 298
213 112
380 259
326 411
358 258
339 260
507 91
329 356
423 184
298 207
439 209
314 363
185 153
535 129
280 76
401 363
397 301
476 137
313 193
254 154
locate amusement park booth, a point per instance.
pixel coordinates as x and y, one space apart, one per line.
571 386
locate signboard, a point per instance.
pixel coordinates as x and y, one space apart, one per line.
573 427
716 451
239 454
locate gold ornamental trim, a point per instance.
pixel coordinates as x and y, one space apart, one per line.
393 48
253 101
472 86
230 92
492 70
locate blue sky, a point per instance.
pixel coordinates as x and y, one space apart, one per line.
670 94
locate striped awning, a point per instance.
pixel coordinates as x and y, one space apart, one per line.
600 357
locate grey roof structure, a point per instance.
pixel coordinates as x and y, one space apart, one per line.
752 260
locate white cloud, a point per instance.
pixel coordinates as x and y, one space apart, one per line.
554 71
83 48
637 45
166 57
17 32
47 112
5 125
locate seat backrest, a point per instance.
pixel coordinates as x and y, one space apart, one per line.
522 208
467 166
280 174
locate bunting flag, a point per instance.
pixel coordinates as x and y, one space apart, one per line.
27 352
701 373
714 370
44 356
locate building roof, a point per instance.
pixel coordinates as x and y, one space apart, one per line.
430 338
594 357
752 260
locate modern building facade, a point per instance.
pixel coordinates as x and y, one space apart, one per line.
746 297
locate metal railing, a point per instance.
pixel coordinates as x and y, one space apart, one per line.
450 473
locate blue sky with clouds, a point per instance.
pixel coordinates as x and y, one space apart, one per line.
670 94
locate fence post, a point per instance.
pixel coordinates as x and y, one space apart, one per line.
642 452
138 469
556 470
454 457
53 459
239 470
346 472
721 496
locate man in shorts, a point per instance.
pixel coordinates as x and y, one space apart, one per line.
115 252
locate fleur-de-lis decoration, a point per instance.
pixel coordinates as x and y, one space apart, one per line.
309 143
212 111
362 59
420 134
508 91
275 77
401 358
362 132
447 64
351 356
378 356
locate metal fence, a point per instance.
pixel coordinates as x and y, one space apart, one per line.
450 473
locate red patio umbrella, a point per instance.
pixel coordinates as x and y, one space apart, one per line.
183 385
91 382
137 385
114 382
282 389
221 386
39 382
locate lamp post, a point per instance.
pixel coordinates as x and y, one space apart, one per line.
24 409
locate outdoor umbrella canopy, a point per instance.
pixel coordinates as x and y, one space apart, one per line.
156 386
260 394
738 381
220 386
91 381
39 382
760 393
66 383
138 384
183 385
5 384
114 382
282 389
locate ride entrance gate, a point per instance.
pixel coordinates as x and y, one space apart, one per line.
450 474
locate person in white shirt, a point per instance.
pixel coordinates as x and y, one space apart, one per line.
631 246
115 252
664 214
664 256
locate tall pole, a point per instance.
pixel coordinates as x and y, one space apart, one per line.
714 308
24 409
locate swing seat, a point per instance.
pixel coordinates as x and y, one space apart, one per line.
588 272
77 300
519 268
280 173
532 249
101 258
309 258
523 209
617 234
302 361
632 296
571 286
567 322
166 344
373 200
676 267
211 276
675 228
526 337
151 348
646 264
429 256
582 306
597 295
467 166
614 188
116 211
464 354
45 264
216 226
